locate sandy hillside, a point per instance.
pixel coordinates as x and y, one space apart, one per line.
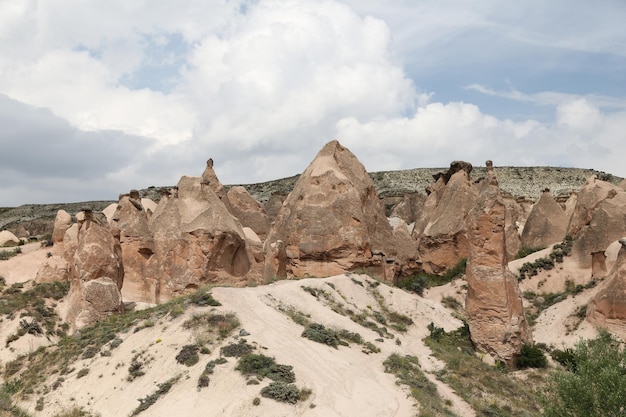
345 381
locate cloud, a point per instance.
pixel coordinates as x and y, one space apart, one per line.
45 153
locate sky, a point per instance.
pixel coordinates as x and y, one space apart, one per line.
100 97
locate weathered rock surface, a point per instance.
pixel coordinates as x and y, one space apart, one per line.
8 239
137 247
54 269
249 211
599 218
409 207
62 222
331 222
96 273
546 224
494 309
608 307
441 228
273 205
197 241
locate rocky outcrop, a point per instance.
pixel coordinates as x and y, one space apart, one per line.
137 247
274 204
331 222
546 224
608 307
441 228
62 222
494 309
8 239
598 219
249 211
96 273
409 207
197 241
53 269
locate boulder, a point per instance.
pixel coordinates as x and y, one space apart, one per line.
249 211
494 309
441 232
8 239
608 307
331 222
197 242
137 247
97 258
62 222
546 224
53 269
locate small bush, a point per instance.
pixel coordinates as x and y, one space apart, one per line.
263 366
82 372
236 349
203 297
188 355
148 401
282 392
320 334
531 357
435 332
256 401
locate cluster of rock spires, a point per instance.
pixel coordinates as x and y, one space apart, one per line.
333 222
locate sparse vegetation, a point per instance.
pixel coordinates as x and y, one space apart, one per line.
202 297
188 355
147 402
237 349
559 251
531 356
491 391
524 251
263 366
408 372
286 393
420 282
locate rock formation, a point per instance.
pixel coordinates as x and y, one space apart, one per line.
409 207
608 307
441 228
598 219
494 309
62 222
197 241
96 273
546 224
249 211
331 222
8 238
137 247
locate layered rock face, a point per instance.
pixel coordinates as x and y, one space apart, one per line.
196 242
546 224
608 307
441 227
96 273
494 309
331 222
598 219
137 247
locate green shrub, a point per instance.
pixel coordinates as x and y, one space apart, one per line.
595 386
188 355
148 401
203 297
83 372
282 392
531 357
237 349
263 366
320 334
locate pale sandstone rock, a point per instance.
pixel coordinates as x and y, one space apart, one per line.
109 211
8 238
197 242
441 231
608 307
331 221
53 269
598 219
62 222
97 257
494 309
274 204
546 224
409 207
249 211
137 247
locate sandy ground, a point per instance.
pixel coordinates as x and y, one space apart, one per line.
23 267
